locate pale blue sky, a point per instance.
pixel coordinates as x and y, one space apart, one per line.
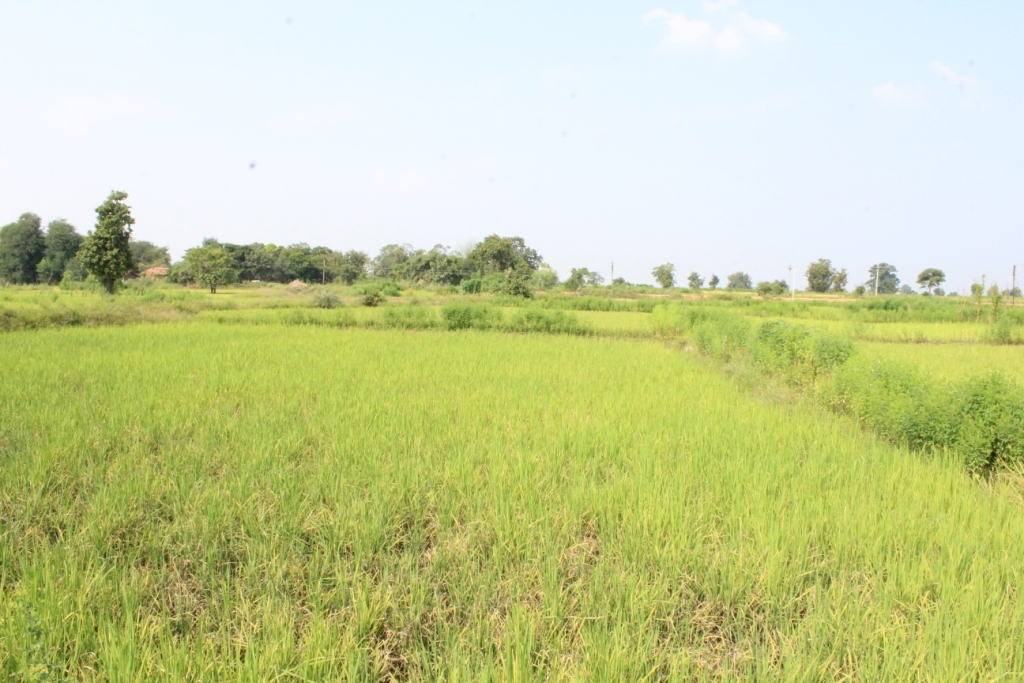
720 136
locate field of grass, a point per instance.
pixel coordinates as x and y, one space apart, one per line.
199 501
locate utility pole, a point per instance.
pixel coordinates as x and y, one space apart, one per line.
792 285
876 278
323 273
1013 288
611 283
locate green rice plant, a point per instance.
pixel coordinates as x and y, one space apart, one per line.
462 316
407 318
325 299
547 322
198 501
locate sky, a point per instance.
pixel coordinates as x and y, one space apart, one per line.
718 135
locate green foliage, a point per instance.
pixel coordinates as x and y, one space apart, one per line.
1004 331
517 283
576 279
22 247
695 281
930 278
840 280
472 286
408 318
459 316
774 288
372 297
821 276
210 265
147 255
62 245
739 280
325 299
391 256
544 278
546 322
713 282
664 275
496 254
105 252
887 282
348 267
797 353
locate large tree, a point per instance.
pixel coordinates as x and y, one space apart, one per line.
665 275
22 247
497 254
930 278
695 281
739 280
62 245
105 252
884 275
820 275
840 280
390 256
210 265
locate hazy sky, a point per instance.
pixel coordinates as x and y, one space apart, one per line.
717 135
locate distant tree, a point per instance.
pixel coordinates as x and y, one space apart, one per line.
105 252
517 282
391 255
839 281
996 297
350 266
773 288
594 279
888 283
545 277
578 278
497 254
620 281
62 245
148 255
930 278
22 247
739 280
906 289
713 282
665 275
859 290
695 281
210 265
820 275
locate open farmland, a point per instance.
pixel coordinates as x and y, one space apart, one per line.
210 501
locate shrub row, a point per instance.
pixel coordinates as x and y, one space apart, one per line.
981 419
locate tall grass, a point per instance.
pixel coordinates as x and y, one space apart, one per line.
219 502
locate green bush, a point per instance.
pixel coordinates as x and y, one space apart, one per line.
547 322
408 318
325 299
458 316
472 286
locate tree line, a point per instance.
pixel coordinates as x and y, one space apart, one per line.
821 277
30 255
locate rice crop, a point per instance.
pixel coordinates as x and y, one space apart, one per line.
202 501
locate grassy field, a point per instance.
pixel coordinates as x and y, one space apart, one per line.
204 501
952 361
